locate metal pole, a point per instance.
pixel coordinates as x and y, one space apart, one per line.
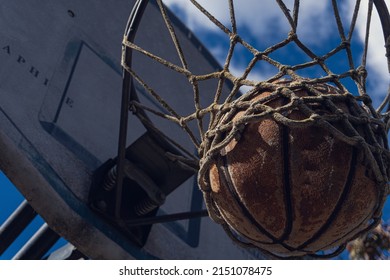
38 245
15 224
131 29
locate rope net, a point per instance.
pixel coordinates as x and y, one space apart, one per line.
359 124
374 245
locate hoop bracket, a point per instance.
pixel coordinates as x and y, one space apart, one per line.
150 174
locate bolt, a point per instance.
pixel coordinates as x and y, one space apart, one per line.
101 205
71 13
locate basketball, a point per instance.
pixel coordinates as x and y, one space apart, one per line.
293 190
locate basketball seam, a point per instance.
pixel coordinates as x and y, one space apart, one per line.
284 138
226 178
338 207
367 218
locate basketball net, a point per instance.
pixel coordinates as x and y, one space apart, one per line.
221 129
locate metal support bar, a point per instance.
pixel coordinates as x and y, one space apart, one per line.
38 245
15 224
127 85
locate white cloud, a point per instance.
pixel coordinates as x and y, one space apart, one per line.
376 60
258 20
315 18
194 19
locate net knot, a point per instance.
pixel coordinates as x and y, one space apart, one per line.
345 44
222 74
132 107
316 118
191 79
285 68
237 81
292 35
182 122
334 77
296 101
319 59
198 114
259 55
366 99
234 38
353 74
215 107
361 71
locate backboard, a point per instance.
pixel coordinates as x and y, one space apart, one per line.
60 90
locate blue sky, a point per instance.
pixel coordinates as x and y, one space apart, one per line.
254 28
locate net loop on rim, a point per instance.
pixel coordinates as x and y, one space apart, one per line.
224 126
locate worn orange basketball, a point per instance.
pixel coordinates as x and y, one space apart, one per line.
293 191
